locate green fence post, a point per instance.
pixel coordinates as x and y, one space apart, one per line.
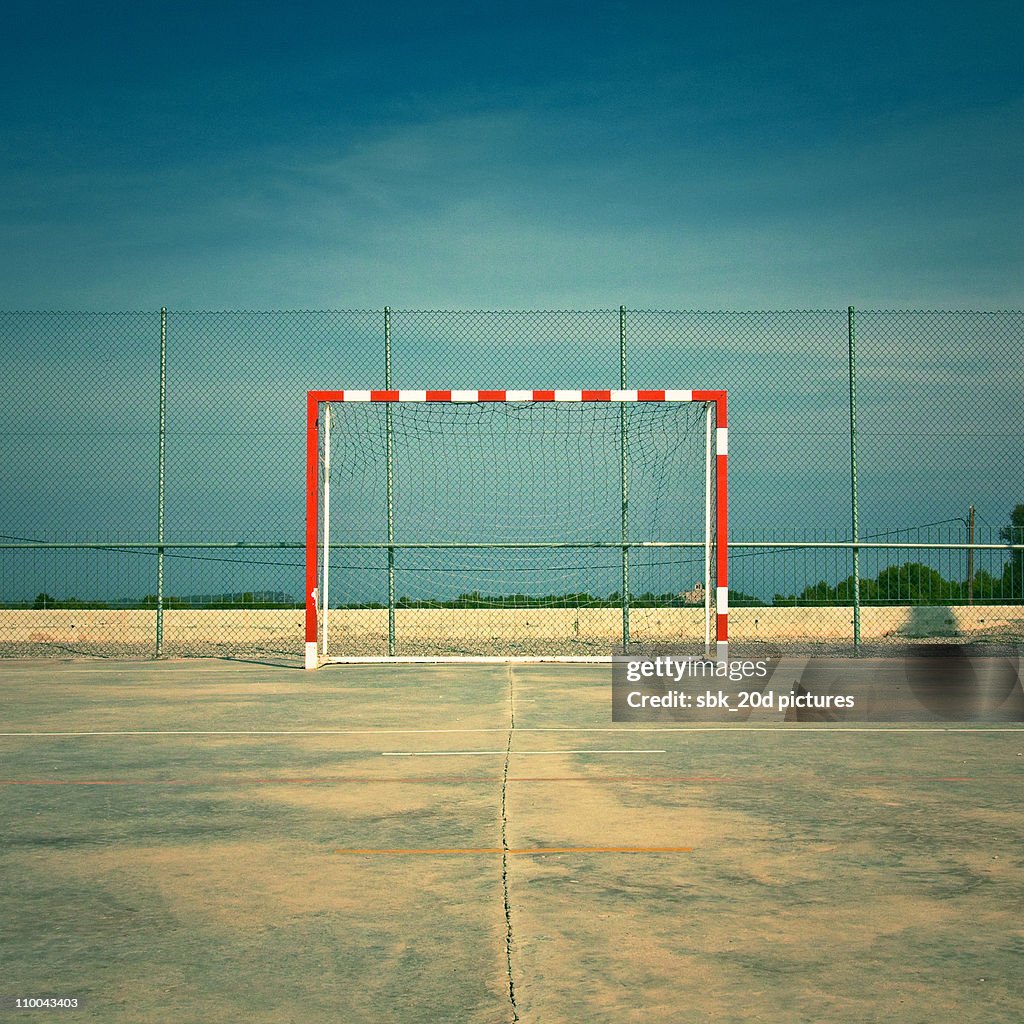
160 487
851 336
390 458
624 459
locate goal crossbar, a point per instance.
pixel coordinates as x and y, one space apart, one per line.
716 519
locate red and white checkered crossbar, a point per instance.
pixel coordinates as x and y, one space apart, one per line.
315 398
535 395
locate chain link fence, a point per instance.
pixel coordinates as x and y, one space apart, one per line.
939 481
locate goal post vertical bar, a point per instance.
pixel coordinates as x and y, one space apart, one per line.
722 516
624 460
312 526
325 599
708 524
720 400
390 458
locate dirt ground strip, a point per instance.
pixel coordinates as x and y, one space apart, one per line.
278 633
220 841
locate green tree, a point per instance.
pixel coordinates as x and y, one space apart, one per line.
915 583
986 586
817 593
868 591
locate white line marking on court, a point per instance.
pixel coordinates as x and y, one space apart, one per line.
255 732
514 753
781 728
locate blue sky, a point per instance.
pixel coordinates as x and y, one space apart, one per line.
567 155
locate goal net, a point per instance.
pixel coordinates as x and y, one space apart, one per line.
514 525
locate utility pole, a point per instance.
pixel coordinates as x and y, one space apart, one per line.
970 555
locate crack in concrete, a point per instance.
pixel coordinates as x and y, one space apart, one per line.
505 850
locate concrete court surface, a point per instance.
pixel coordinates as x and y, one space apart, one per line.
228 841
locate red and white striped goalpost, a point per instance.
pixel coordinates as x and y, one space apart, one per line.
717 519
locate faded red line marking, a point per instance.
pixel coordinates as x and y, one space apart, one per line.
448 851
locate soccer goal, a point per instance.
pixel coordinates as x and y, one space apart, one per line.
514 525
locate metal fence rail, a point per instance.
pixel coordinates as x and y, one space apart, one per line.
151 464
